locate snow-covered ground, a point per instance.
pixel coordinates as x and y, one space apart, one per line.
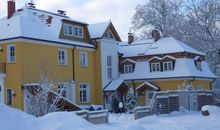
12 119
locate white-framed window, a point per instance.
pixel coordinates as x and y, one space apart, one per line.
128 68
167 66
78 31
109 35
109 67
84 93
62 56
62 89
11 53
198 65
155 67
9 96
83 59
68 29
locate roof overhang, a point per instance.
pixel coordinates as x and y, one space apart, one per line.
116 85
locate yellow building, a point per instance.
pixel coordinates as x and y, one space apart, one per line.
38 44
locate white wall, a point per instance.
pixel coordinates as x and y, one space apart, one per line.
109 48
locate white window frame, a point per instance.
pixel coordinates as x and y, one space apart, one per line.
82 90
156 64
169 66
83 59
78 31
67 31
109 67
109 35
62 89
128 68
11 58
8 95
62 59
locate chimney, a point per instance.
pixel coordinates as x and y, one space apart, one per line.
61 12
11 8
156 35
130 37
31 4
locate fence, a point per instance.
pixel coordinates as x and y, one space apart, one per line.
165 102
95 117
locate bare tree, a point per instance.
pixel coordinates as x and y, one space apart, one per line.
165 15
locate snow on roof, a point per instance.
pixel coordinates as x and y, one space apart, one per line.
167 56
114 85
129 61
148 47
97 30
148 84
35 24
184 67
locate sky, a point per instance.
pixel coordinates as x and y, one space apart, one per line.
119 12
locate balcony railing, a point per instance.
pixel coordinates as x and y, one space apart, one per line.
2 67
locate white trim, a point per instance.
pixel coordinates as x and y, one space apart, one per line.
149 84
9 60
127 68
67 25
156 69
169 62
65 57
84 55
30 41
129 61
78 27
156 57
7 96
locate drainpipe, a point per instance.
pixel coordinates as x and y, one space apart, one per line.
73 62
134 87
211 84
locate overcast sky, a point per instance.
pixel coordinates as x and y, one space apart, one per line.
91 11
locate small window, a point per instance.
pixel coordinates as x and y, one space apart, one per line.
68 30
78 31
84 93
62 90
109 66
62 57
167 66
128 69
11 53
83 59
198 65
155 67
9 96
109 35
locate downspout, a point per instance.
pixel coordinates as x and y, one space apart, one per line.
192 80
134 87
211 84
73 62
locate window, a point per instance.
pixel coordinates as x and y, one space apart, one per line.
109 66
109 35
83 59
78 31
84 93
155 67
128 69
9 96
198 65
62 90
62 57
167 66
11 53
68 30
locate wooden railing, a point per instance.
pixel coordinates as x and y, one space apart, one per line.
2 67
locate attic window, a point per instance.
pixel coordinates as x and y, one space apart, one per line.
128 68
198 65
74 31
109 35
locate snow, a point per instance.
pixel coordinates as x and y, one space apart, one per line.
12 119
163 46
114 85
184 67
23 22
97 30
148 84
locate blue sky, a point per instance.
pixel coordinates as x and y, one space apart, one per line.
91 11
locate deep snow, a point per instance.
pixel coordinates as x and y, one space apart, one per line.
12 119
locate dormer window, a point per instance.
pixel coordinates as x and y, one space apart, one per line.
78 31
198 65
167 66
155 67
128 69
68 30
73 31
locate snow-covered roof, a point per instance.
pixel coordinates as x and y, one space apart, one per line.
114 85
97 30
33 23
149 47
148 84
184 67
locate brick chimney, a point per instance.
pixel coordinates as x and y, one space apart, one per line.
130 37
156 35
11 8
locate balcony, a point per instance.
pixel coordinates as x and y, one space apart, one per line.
2 67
